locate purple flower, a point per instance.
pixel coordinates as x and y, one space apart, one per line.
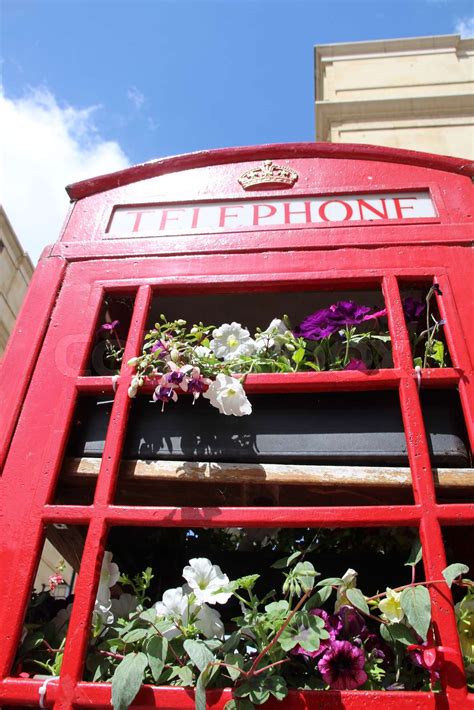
412 308
342 666
329 320
380 649
109 327
164 394
160 348
352 623
332 624
175 377
355 364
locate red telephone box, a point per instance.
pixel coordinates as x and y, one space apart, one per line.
280 219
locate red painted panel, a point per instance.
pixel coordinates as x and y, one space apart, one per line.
41 397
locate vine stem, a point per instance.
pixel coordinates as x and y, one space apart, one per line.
406 586
111 654
269 646
169 645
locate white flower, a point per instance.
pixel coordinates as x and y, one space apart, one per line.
205 579
271 337
390 606
227 394
231 340
202 351
349 580
125 605
102 614
177 606
209 622
109 575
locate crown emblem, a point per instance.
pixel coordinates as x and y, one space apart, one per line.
268 174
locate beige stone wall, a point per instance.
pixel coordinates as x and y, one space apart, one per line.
413 93
16 270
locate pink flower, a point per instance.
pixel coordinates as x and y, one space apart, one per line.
342 666
54 580
356 364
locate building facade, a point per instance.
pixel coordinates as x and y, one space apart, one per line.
414 93
16 270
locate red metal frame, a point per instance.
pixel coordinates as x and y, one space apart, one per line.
382 256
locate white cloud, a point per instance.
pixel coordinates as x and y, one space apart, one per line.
136 97
46 146
465 27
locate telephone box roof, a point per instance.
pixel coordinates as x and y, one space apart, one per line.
222 156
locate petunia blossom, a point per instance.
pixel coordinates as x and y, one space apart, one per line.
271 337
352 623
109 575
230 341
356 364
228 396
342 666
125 605
327 321
413 308
205 579
176 605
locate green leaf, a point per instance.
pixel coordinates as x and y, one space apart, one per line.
135 635
308 633
416 605
156 651
418 362
298 356
285 561
454 571
234 659
277 609
186 676
127 680
437 352
416 553
305 573
277 686
149 615
357 599
397 632
200 693
318 598
199 653
330 581
239 704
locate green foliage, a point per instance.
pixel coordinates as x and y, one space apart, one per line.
416 554
454 571
356 598
127 680
416 604
264 654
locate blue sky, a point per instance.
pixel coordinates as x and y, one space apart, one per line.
127 81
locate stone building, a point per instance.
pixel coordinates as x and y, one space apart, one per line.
16 270
414 93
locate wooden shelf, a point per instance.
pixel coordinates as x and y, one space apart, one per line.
78 470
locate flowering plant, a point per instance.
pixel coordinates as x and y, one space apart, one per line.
275 643
213 362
